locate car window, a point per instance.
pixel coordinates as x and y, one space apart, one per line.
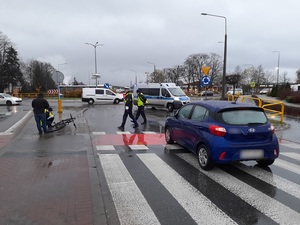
244 117
99 91
165 93
199 113
184 112
108 92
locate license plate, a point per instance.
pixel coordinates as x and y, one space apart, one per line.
252 154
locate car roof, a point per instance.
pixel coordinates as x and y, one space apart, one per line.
219 105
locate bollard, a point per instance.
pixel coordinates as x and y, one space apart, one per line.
59 106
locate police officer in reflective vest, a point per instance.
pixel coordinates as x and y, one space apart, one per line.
141 101
128 110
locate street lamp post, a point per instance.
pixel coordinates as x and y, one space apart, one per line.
153 70
278 61
135 76
225 52
95 47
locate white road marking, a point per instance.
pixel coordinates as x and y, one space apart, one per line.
293 155
123 132
105 147
201 209
272 179
138 147
288 166
267 205
290 144
149 132
131 205
173 147
99 133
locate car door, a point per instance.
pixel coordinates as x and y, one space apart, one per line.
179 127
110 96
2 100
196 127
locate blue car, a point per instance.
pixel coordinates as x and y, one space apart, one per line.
223 132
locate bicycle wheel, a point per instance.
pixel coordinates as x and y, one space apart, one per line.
56 127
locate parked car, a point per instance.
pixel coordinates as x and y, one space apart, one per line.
100 95
6 99
223 132
265 91
206 93
237 91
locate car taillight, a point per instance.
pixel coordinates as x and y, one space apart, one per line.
217 130
272 128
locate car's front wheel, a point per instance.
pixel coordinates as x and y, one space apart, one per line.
117 101
168 136
8 103
204 158
265 162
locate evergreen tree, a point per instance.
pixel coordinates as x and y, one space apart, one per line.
10 73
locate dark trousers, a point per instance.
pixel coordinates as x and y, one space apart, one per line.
128 112
141 111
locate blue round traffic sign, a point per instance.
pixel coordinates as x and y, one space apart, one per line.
205 80
106 85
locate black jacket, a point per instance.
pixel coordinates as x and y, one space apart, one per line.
39 105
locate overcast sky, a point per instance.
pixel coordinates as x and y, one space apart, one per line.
163 32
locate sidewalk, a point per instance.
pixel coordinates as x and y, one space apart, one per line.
49 179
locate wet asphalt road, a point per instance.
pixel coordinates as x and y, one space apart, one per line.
157 185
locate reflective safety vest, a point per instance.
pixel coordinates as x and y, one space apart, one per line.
141 100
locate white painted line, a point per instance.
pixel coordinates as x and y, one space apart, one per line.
131 205
288 166
293 155
123 132
149 132
201 209
272 179
173 147
138 147
267 205
105 147
15 126
290 144
99 133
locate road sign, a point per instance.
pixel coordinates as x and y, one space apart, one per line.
106 85
205 80
252 84
205 69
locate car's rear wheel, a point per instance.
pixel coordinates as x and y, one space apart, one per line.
91 101
265 162
168 136
8 103
204 158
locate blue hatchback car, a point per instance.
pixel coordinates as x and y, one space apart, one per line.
223 132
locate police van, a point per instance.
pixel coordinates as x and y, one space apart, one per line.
166 95
100 95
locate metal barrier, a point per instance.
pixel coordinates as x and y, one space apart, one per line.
266 106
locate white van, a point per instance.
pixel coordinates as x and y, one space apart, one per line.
100 95
167 95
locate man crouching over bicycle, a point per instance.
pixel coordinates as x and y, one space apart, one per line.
49 116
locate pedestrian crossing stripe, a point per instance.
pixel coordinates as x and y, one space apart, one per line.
265 204
287 165
291 155
289 144
198 206
138 147
105 147
99 133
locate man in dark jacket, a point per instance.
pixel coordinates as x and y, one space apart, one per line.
128 110
39 105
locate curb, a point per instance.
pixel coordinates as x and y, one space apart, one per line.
16 128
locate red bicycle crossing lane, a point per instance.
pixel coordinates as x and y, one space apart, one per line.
129 139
